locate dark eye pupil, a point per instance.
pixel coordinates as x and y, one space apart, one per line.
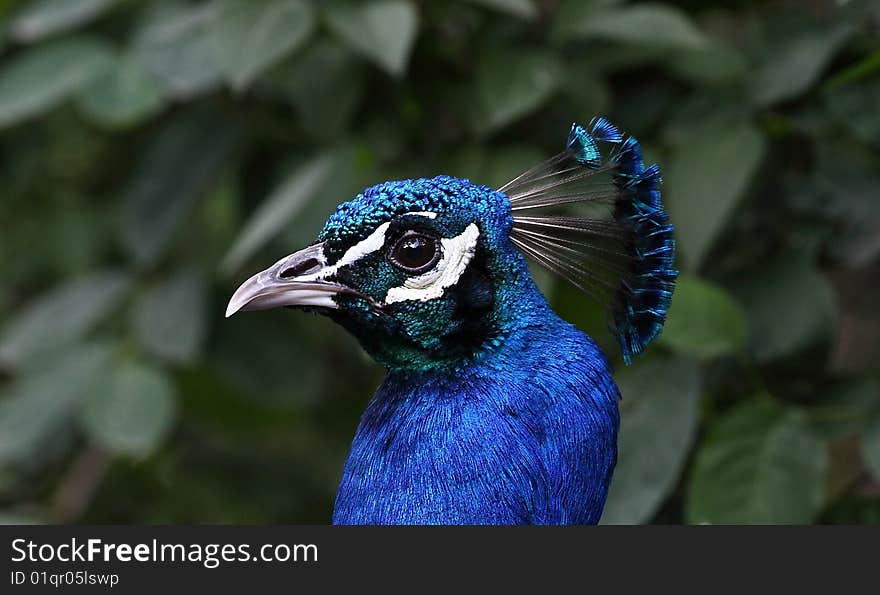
415 252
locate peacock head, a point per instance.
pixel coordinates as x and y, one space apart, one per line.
429 273
417 270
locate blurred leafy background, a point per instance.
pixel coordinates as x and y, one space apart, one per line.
155 153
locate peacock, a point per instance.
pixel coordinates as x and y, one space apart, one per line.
493 409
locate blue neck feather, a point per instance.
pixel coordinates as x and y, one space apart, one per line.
523 433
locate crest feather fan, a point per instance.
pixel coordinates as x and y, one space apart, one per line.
624 253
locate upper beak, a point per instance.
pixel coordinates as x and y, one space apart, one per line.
294 280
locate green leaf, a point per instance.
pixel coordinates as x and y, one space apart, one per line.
40 78
586 89
854 105
571 14
797 65
524 9
210 403
292 365
714 64
277 210
842 189
790 306
62 315
326 84
708 174
658 421
655 25
844 408
176 45
42 18
871 447
252 36
354 168
170 319
511 85
492 166
121 97
44 398
382 30
759 464
176 171
856 72
704 320
132 412
505 163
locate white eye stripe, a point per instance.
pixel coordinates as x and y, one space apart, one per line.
372 243
427 214
457 254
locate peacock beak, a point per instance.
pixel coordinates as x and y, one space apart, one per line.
295 280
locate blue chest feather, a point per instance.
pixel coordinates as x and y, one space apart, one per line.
527 435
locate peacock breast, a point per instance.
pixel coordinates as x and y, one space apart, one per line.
528 437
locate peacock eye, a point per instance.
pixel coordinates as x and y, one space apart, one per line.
415 252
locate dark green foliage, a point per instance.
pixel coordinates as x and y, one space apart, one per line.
157 152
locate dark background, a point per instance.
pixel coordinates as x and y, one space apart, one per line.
154 154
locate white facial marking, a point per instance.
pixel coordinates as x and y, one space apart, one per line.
427 214
368 245
457 254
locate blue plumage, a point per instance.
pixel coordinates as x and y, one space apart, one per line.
641 305
493 410
604 130
527 436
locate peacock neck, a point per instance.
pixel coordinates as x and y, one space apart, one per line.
517 309
525 432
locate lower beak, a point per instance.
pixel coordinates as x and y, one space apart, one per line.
294 280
